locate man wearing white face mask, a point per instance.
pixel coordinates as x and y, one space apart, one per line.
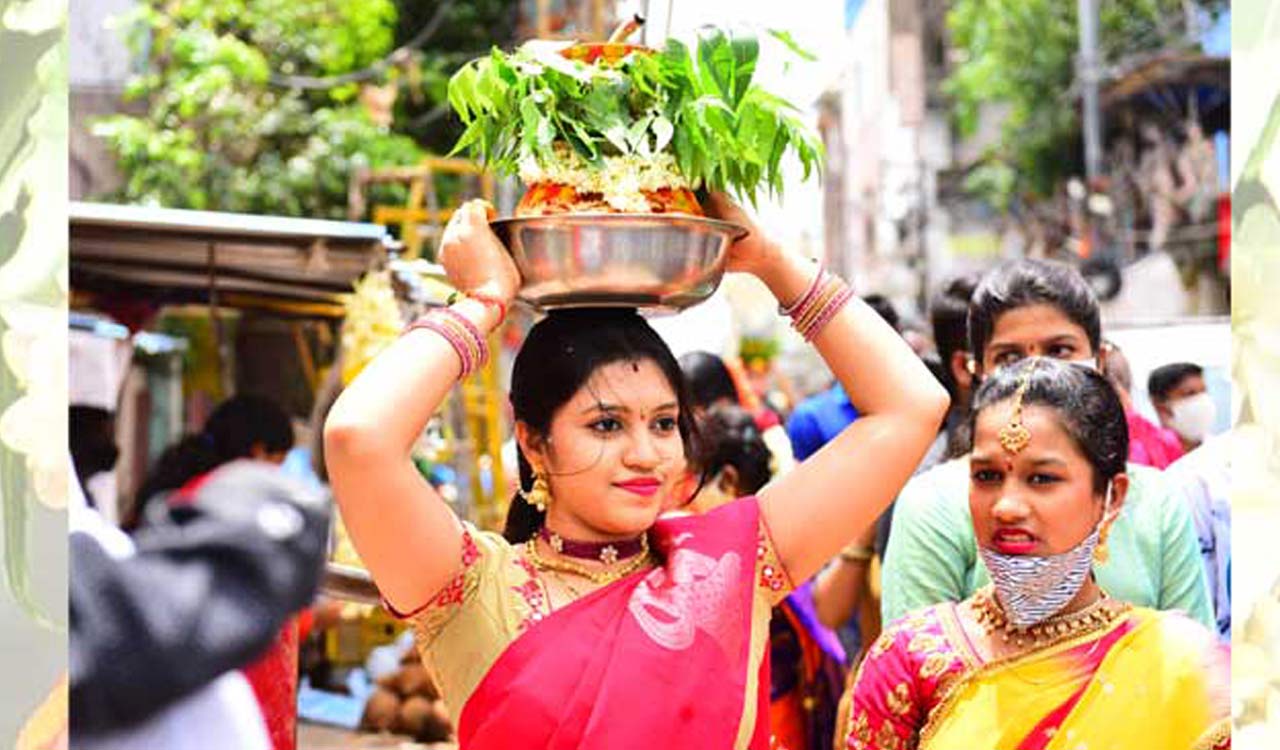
1183 402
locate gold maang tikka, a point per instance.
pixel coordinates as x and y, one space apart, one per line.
1015 436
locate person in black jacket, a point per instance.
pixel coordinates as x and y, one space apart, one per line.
200 594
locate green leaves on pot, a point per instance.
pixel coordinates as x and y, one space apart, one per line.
700 105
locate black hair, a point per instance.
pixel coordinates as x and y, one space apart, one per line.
1085 402
730 437
1167 377
91 432
1027 282
708 379
230 432
949 317
243 421
559 355
884 308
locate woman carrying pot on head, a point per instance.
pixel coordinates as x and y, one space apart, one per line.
591 623
1043 659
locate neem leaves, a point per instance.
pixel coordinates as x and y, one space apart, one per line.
699 105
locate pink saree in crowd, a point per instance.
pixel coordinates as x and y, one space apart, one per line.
672 657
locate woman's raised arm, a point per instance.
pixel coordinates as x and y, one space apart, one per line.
407 537
835 494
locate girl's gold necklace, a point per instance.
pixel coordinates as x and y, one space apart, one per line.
1097 616
600 577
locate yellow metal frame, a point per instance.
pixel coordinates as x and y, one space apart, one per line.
422 205
483 418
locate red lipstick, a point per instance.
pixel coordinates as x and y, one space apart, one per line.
1013 541
644 487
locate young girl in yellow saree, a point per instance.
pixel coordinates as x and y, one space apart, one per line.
1043 659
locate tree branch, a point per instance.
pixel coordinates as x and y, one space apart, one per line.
397 56
430 116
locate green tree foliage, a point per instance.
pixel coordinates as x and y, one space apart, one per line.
221 132
1021 54
468 29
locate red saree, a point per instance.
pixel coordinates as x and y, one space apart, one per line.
661 658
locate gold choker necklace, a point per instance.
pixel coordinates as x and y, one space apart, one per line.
608 575
990 615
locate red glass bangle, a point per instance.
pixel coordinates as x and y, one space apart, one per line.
487 300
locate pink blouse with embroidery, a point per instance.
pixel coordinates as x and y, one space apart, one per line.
905 676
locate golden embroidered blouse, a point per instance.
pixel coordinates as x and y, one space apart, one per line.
498 594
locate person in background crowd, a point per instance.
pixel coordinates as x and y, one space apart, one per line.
256 428
821 417
949 316
1202 479
158 622
243 426
1183 402
1149 444
885 309
712 384
1022 309
917 340
1021 664
806 660
92 433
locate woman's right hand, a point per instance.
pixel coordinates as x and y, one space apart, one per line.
474 258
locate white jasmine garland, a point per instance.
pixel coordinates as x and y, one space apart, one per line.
621 180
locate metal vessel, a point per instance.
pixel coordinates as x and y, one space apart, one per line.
665 261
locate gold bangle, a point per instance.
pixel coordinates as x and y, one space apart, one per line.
857 553
830 288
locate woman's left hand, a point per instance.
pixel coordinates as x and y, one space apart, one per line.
473 256
754 254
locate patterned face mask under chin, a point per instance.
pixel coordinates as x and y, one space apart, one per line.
1031 589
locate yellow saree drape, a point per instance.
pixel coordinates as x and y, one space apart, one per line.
1163 684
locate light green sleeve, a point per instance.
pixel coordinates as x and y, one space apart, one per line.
930 552
1183 584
